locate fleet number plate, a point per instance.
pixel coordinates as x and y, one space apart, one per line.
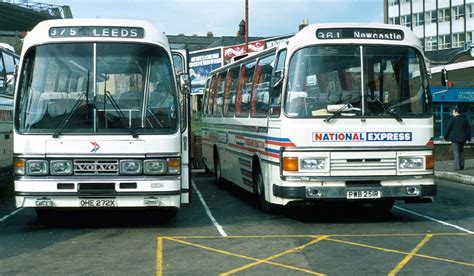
364 194
97 202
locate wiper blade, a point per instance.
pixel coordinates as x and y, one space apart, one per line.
343 108
393 113
120 112
68 117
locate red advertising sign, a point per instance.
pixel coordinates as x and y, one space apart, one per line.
237 50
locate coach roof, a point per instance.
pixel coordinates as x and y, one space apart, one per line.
41 33
367 33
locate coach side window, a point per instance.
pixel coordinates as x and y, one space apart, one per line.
246 89
238 96
260 95
210 93
205 97
276 85
2 75
7 78
219 101
231 91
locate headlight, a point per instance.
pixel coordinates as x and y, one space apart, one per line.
155 167
130 166
37 167
312 164
61 167
411 163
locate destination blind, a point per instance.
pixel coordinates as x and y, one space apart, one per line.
360 33
97 31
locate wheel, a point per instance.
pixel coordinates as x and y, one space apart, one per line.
163 214
170 213
206 169
218 171
383 206
259 190
44 214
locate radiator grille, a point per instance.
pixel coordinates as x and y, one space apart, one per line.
96 167
369 163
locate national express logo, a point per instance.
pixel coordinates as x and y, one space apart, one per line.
362 136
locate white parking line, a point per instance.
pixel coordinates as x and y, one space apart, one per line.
208 211
11 214
436 220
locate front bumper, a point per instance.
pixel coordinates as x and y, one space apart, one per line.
77 192
409 191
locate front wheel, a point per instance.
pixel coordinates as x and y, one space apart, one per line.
218 172
383 206
162 214
44 214
259 189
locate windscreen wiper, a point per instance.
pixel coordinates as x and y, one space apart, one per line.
393 113
343 108
120 112
68 117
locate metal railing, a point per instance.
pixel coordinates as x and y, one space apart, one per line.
49 9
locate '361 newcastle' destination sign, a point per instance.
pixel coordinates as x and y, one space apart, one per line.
360 33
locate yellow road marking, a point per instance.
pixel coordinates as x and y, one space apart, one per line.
301 247
159 257
316 238
410 255
312 235
400 252
241 256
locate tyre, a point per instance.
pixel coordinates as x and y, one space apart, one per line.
259 190
44 214
162 214
383 206
218 171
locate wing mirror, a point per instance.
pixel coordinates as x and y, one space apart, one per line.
444 77
184 83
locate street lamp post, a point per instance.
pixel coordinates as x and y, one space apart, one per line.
246 26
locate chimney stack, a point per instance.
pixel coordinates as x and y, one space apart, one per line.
241 32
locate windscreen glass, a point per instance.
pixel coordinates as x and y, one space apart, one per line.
97 88
355 81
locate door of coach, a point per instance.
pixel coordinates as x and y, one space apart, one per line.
180 62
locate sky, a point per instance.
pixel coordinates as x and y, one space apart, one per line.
266 17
